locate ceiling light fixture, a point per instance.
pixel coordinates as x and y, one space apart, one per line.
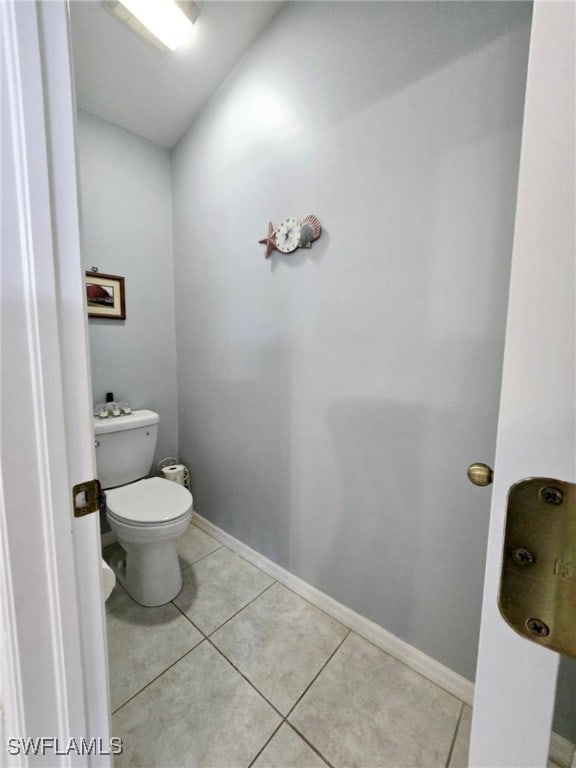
166 23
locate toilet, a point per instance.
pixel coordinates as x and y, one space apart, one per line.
148 515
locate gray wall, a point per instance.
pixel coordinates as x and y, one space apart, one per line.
331 400
127 230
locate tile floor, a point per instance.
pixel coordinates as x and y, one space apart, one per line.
239 671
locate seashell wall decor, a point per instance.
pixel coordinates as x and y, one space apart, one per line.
313 222
306 236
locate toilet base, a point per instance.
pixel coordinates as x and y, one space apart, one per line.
150 575
150 571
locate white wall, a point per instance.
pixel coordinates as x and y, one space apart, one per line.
127 230
330 401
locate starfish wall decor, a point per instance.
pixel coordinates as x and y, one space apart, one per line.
269 241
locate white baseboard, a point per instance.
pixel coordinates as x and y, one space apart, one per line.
561 750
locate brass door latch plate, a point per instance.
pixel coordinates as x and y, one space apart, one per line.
538 582
86 498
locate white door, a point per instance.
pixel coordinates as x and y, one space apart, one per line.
516 679
53 663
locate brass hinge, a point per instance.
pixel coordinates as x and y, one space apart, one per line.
86 498
538 582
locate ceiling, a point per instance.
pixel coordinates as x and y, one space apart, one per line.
126 80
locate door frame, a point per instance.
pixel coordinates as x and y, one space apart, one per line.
53 661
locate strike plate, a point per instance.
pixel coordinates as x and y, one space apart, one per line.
86 497
538 583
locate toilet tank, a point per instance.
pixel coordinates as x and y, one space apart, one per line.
125 447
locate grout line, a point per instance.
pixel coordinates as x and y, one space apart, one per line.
185 568
317 675
275 581
240 609
266 744
250 683
455 735
208 639
156 678
246 560
312 747
204 635
227 620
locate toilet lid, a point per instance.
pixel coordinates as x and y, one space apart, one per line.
154 500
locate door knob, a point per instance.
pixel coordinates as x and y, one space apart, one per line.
480 474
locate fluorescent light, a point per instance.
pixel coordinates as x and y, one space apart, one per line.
163 18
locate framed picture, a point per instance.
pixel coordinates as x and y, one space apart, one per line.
105 296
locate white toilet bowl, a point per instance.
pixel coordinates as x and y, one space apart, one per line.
148 517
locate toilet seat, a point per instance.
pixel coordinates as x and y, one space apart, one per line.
149 502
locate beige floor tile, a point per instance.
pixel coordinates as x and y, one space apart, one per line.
459 757
366 709
142 643
200 713
217 586
287 750
195 544
280 642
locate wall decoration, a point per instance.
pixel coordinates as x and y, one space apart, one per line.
105 295
269 241
288 235
311 230
292 233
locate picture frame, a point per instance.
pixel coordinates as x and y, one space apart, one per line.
105 296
